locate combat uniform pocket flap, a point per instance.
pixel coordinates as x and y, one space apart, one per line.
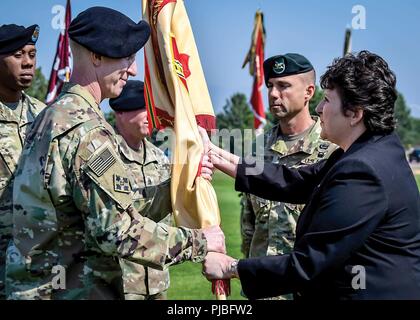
106 169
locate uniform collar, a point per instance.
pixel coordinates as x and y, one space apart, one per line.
7 114
30 116
141 156
73 88
306 144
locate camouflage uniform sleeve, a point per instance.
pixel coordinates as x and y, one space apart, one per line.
102 192
247 224
160 206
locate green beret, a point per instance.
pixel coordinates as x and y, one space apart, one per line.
285 65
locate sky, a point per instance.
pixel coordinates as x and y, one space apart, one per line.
223 28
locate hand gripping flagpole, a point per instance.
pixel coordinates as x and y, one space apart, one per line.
177 96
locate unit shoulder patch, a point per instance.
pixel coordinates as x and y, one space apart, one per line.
121 184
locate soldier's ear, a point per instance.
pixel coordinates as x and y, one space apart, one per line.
96 59
310 91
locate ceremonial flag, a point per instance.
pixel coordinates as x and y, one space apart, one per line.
177 96
347 42
61 69
255 58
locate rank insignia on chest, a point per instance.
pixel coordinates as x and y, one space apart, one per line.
121 184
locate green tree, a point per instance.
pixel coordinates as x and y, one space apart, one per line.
39 86
236 114
110 118
404 121
415 132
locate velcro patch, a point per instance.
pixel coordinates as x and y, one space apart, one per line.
102 162
121 184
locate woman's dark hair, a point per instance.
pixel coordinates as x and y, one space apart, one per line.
364 81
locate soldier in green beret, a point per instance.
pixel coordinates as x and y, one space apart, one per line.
268 227
17 112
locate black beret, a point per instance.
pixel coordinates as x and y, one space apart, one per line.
285 65
14 37
108 32
131 97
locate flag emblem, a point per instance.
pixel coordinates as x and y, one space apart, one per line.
121 184
255 58
102 162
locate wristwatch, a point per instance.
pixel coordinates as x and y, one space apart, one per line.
234 269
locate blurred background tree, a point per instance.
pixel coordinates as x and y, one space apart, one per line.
39 86
408 127
236 114
110 117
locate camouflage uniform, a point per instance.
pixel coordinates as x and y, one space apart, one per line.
14 125
152 173
268 227
73 210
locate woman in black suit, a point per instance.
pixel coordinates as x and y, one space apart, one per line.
359 234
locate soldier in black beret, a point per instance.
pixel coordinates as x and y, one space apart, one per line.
17 112
108 32
17 59
131 98
73 171
152 172
104 43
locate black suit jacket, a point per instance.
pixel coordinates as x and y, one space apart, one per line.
359 234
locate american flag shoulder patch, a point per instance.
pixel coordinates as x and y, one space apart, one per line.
102 162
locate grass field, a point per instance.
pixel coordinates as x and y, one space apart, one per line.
187 283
